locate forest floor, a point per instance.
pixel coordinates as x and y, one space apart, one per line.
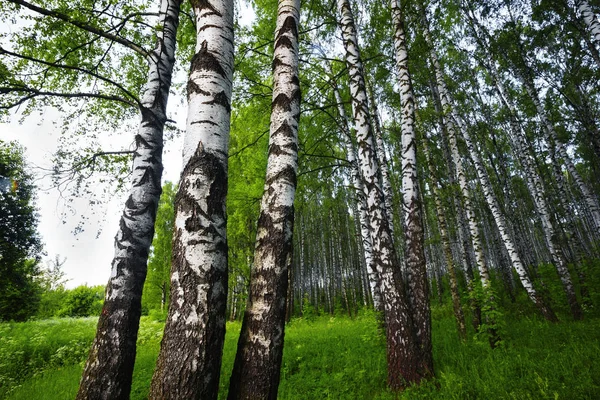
337 357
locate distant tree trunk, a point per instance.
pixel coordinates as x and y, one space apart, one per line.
441 218
403 355
361 202
533 180
414 253
590 200
257 364
386 185
189 361
507 240
109 368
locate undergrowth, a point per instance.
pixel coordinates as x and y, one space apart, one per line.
335 358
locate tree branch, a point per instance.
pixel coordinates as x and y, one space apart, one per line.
82 25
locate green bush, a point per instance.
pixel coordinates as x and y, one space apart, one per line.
82 301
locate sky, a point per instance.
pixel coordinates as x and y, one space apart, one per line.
89 253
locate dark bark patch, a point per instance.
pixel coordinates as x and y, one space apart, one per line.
284 41
202 5
222 100
287 174
289 25
283 101
276 63
192 87
205 60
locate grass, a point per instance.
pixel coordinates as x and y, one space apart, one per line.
334 358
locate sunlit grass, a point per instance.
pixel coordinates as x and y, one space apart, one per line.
340 358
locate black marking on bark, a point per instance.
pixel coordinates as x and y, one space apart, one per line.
290 148
204 121
284 129
205 60
284 41
192 87
222 100
284 102
202 5
277 63
289 25
287 174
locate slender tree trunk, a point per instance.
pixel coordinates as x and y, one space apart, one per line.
551 136
386 185
441 218
357 182
260 348
414 253
402 350
189 361
533 180
500 220
109 368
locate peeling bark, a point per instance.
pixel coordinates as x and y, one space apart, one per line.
189 361
109 368
257 364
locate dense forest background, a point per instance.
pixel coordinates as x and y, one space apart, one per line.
505 104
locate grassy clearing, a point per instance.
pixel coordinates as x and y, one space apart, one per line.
335 358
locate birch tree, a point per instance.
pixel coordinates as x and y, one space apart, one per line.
260 348
416 268
189 361
403 354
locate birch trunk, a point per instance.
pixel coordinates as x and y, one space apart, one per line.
189 361
414 253
260 348
108 370
590 19
365 235
507 240
441 218
551 136
533 180
386 186
450 120
402 352
452 133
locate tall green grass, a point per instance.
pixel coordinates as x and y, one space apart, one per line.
336 358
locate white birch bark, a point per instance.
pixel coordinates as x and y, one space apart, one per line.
260 348
457 160
109 368
590 20
451 119
536 188
533 180
402 351
362 207
386 186
189 361
590 200
414 252
500 221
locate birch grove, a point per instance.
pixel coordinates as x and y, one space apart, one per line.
383 160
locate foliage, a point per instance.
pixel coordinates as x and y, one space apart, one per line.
336 357
20 244
82 301
157 286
